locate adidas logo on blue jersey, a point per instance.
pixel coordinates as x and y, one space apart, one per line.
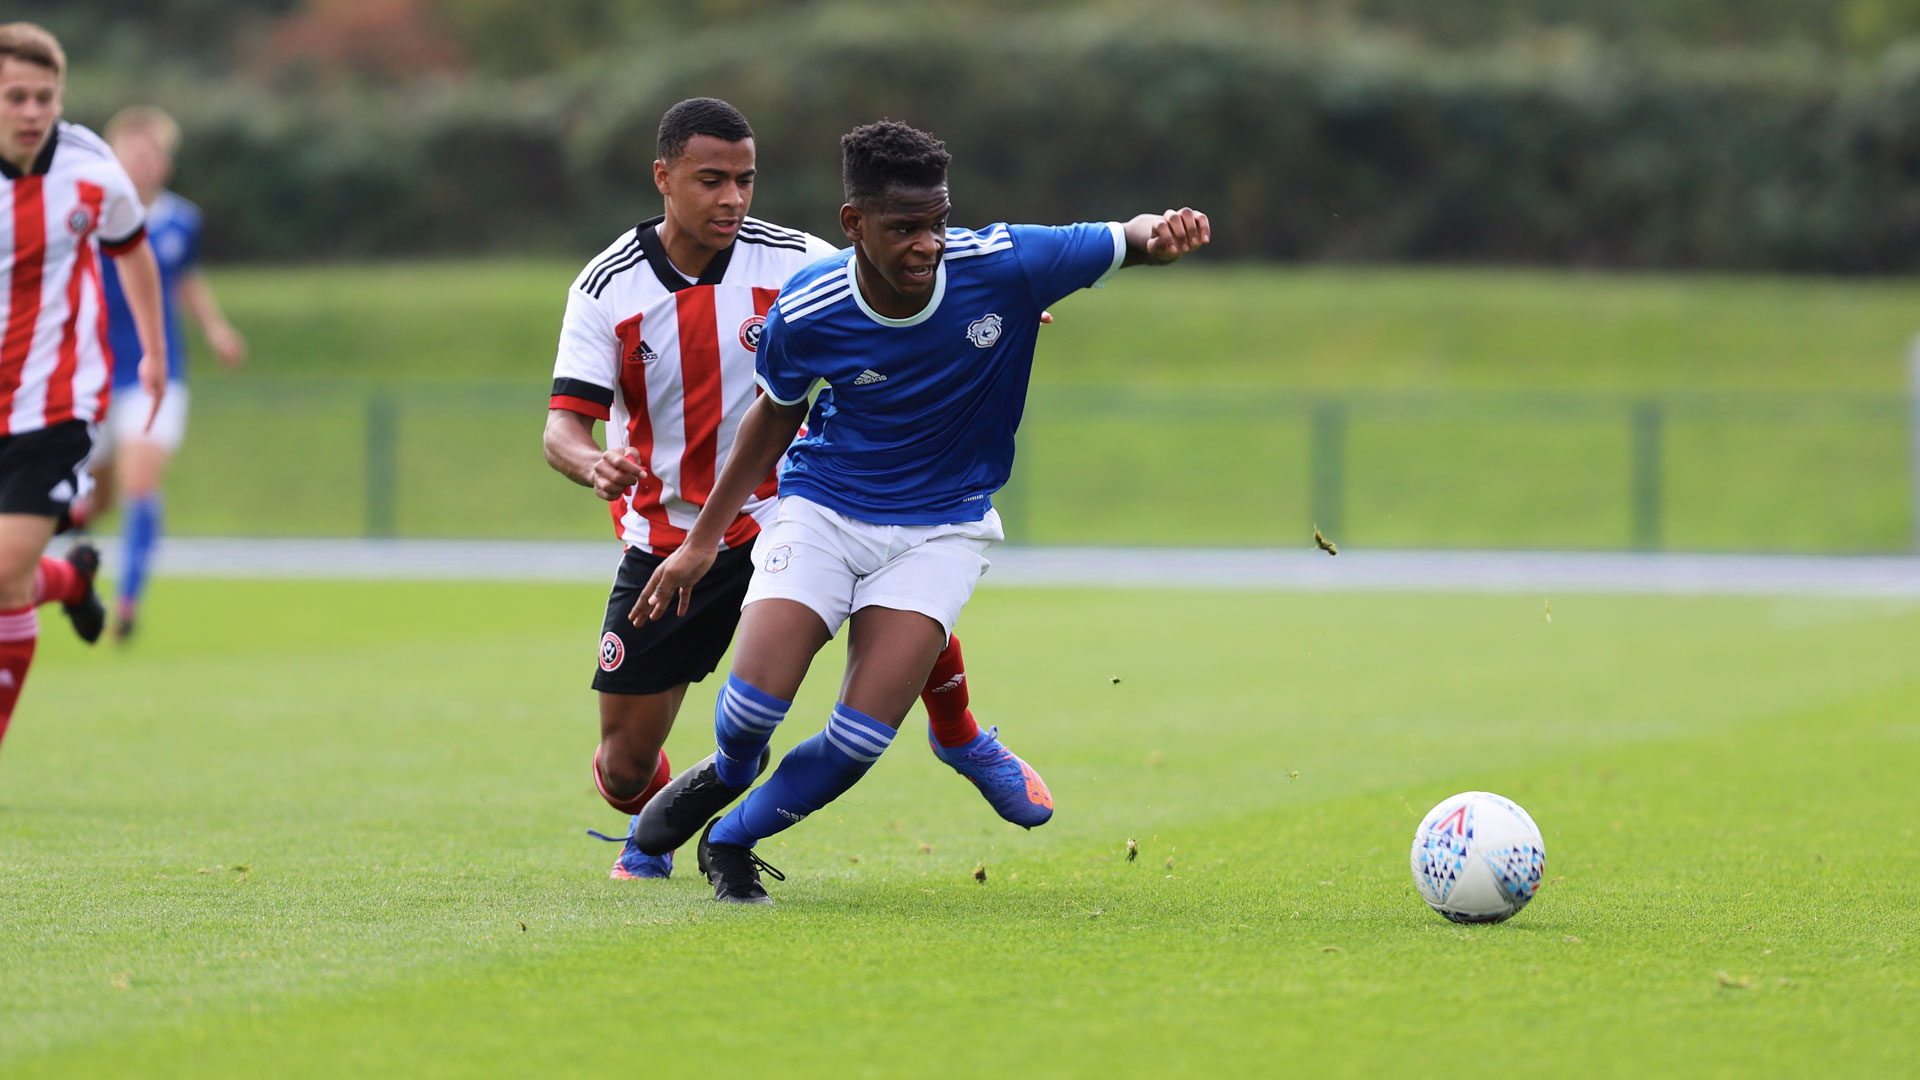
869 377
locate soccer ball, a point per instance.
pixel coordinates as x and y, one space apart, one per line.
1478 858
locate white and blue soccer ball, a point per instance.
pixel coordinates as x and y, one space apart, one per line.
1478 858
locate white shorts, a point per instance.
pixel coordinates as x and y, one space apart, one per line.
837 565
128 416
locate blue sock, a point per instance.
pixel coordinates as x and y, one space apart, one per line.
743 721
140 534
812 775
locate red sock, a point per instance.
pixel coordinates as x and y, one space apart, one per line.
945 697
632 805
19 632
57 580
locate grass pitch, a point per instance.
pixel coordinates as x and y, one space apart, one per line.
325 829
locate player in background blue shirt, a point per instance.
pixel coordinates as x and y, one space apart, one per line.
925 337
144 139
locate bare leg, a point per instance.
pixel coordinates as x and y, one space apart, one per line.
633 728
100 502
889 653
776 644
23 539
141 465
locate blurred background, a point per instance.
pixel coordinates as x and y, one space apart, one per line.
1563 274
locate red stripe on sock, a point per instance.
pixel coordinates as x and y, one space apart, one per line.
946 698
19 625
18 636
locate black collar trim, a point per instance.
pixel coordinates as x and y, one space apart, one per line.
656 252
41 163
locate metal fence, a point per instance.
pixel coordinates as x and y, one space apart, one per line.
1829 471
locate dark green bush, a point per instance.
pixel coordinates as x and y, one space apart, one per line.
1303 145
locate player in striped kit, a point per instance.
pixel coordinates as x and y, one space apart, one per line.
66 200
658 341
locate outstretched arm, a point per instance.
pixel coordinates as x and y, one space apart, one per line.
1158 239
765 433
140 280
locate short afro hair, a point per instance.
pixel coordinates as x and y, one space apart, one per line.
875 157
699 116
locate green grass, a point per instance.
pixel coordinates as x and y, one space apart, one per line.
400 770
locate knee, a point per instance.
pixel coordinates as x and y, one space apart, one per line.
16 591
17 572
628 765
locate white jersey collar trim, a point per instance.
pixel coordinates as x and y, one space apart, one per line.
925 313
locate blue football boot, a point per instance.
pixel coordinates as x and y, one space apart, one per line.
1010 785
634 863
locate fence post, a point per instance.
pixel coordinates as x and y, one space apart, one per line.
1648 499
383 439
1913 431
1327 468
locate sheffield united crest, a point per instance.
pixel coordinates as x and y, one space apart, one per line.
750 332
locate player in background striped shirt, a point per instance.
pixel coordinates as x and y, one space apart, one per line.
144 139
658 341
65 201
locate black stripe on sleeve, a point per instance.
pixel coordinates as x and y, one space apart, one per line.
117 248
584 390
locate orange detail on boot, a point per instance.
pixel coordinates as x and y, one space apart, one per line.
1037 792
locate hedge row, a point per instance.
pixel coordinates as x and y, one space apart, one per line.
1346 148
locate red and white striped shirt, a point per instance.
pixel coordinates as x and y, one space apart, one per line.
668 363
56 217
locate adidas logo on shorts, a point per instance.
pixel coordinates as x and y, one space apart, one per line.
869 377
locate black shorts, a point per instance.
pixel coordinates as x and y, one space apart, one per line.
42 471
678 649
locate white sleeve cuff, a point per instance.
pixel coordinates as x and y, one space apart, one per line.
1119 252
762 384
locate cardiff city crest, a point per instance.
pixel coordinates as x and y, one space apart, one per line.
984 331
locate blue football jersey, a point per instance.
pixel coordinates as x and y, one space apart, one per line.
173 230
916 426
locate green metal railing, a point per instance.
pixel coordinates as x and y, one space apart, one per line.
1827 471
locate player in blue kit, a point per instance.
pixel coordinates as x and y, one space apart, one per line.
134 457
925 337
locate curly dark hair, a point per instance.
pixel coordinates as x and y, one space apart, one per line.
699 116
874 157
